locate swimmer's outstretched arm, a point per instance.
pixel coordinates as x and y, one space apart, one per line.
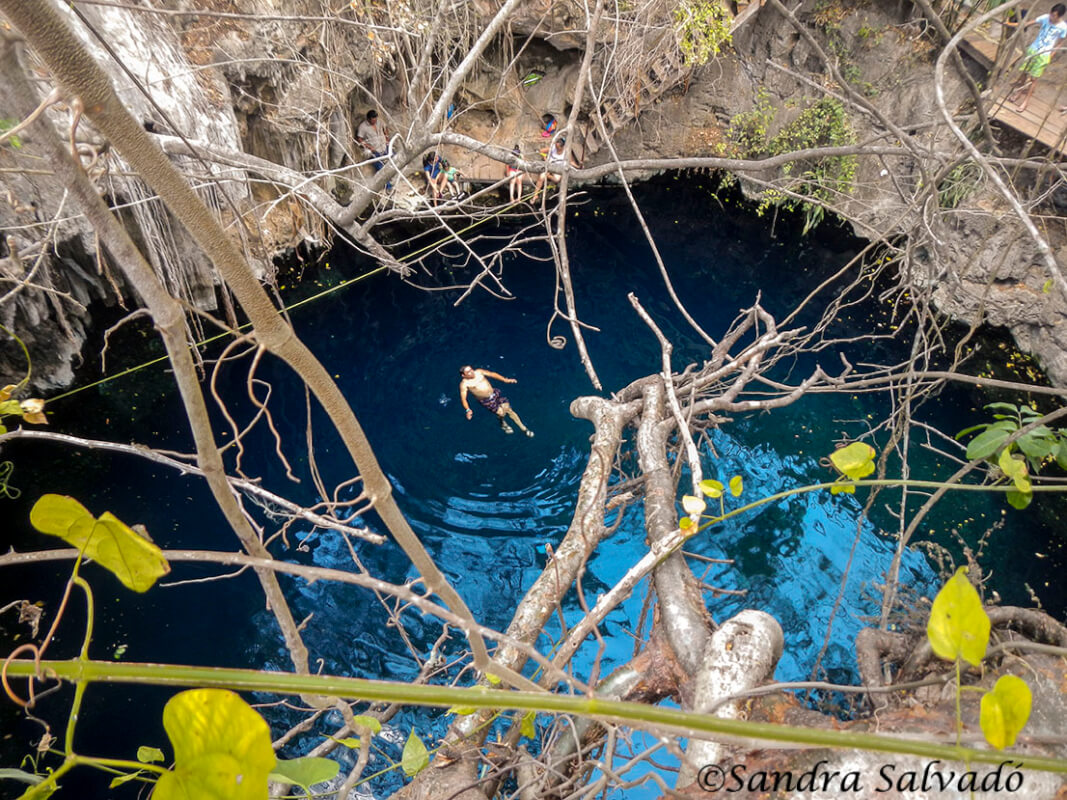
463 399
498 376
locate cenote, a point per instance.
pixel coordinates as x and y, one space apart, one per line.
486 504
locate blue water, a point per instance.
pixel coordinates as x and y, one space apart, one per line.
485 504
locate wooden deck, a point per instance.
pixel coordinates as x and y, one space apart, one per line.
1041 120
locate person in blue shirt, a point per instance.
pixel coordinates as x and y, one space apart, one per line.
1050 37
435 172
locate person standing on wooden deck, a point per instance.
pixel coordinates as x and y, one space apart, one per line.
1050 37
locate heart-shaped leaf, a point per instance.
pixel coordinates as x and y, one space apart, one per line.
134 560
855 461
370 723
414 758
305 772
528 727
958 626
711 488
737 485
1005 710
222 748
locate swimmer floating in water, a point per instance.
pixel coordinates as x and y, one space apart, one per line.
476 381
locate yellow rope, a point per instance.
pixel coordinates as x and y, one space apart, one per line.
306 300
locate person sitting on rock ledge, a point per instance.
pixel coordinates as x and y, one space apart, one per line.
557 160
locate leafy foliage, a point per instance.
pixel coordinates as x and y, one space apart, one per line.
415 757
958 625
1005 710
132 558
703 27
222 748
1021 458
305 772
854 461
30 410
822 124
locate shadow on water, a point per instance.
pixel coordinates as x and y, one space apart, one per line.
485 504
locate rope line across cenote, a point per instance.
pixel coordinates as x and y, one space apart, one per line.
305 301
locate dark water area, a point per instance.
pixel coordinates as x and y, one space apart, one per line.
486 504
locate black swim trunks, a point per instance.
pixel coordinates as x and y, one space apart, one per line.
494 401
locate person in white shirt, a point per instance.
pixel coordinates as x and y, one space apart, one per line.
1050 37
557 160
373 137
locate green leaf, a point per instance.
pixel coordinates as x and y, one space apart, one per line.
842 488
304 772
971 429
494 680
351 742
1061 454
149 755
1005 710
1015 469
529 727
414 758
9 407
222 748
1047 286
462 711
737 485
693 505
685 523
1037 445
855 460
986 444
958 626
1019 500
711 488
134 560
121 779
1010 407
11 774
370 723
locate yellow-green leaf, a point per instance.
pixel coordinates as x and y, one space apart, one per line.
462 711
855 460
121 779
10 407
693 505
414 758
842 488
493 679
1014 467
351 742
685 523
370 723
7 391
108 541
958 626
711 488
737 485
1005 710
149 755
305 772
528 727
222 748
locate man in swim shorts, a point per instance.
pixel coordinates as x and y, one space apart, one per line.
476 381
